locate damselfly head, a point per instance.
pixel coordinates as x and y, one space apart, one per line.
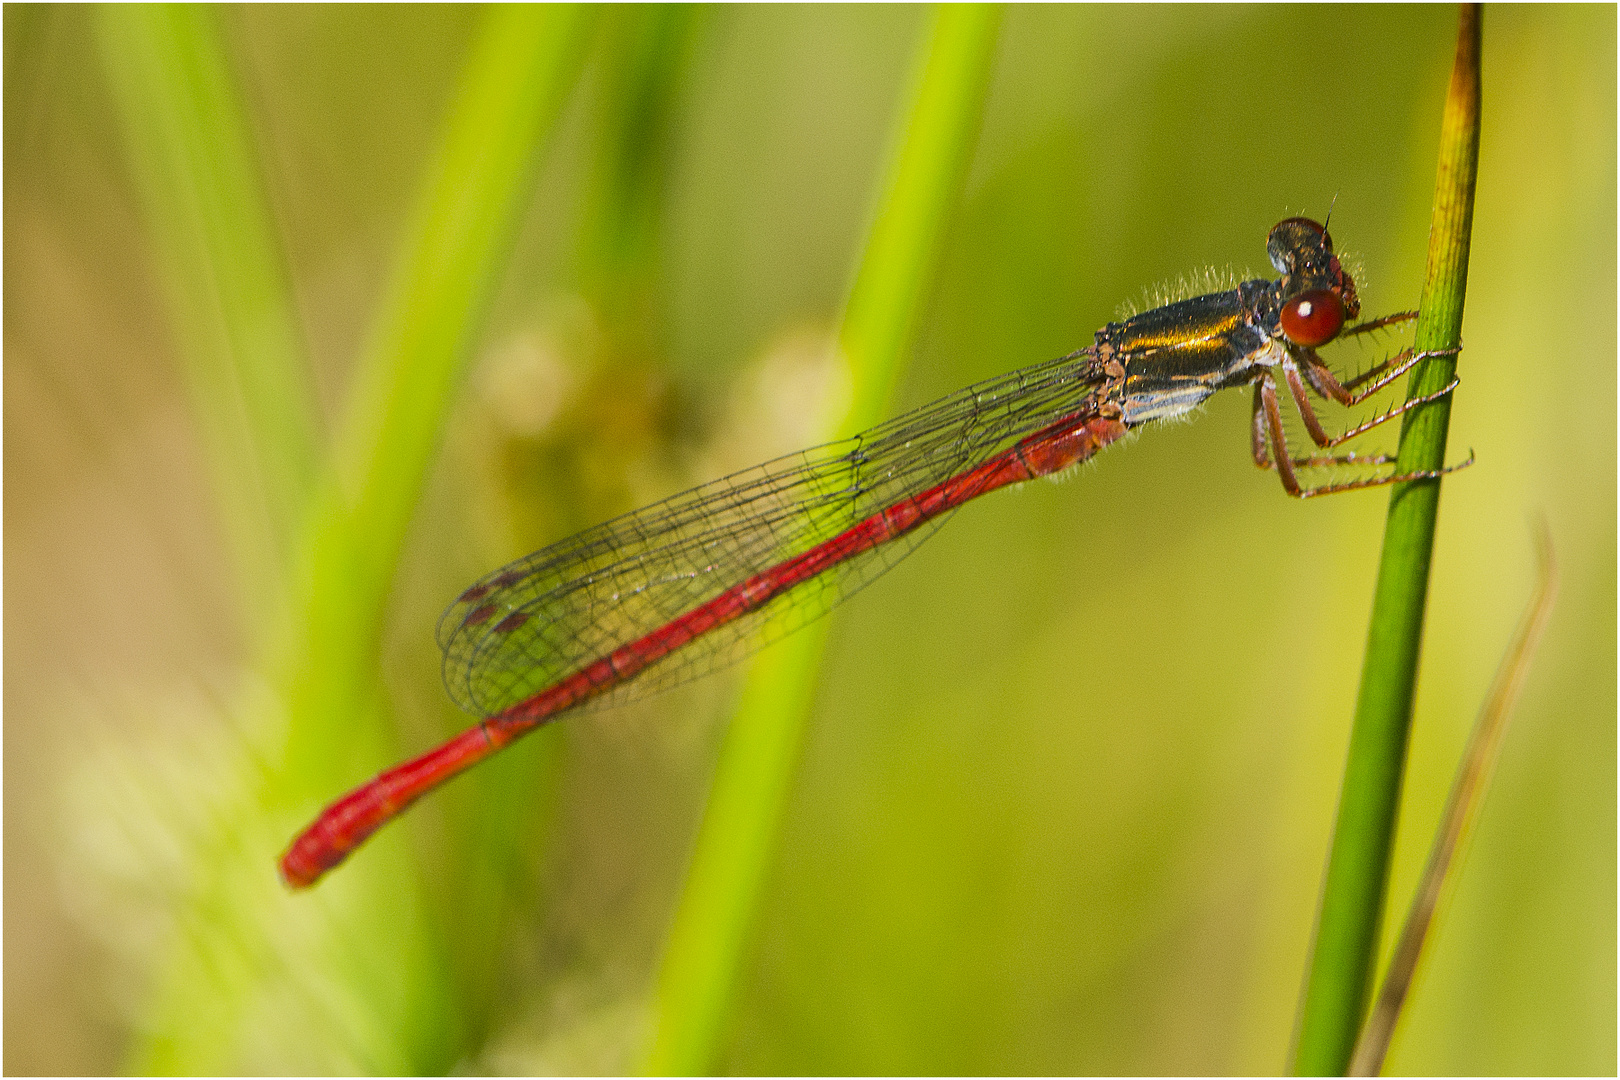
1318 297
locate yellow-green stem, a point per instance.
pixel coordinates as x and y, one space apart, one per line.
191 150
1346 945
755 769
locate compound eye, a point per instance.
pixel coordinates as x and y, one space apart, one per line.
1304 222
1313 318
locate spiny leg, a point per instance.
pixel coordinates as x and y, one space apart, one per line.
1327 385
1267 415
1296 387
1328 461
1257 430
1331 461
1379 324
1381 375
1266 399
1322 380
1380 481
1258 435
1391 413
1268 411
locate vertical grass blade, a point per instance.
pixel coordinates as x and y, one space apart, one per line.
354 979
924 182
191 151
646 55
754 772
523 63
1462 807
1346 944
639 71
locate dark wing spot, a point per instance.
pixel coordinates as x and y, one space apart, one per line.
511 622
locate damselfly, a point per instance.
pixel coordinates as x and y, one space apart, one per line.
693 583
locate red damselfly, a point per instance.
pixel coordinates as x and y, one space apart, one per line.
691 584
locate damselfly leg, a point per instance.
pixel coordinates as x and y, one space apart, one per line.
1269 443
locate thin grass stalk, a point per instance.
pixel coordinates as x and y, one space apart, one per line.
640 69
192 154
522 66
647 53
753 775
1348 923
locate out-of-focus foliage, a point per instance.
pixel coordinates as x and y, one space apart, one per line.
1068 785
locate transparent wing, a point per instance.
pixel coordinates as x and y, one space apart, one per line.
537 620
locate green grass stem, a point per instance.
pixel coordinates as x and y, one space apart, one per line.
646 60
191 152
361 961
1346 945
640 66
714 917
522 65
1468 789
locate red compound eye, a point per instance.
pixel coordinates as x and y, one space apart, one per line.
1313 318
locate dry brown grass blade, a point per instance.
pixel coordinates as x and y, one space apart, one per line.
1462 806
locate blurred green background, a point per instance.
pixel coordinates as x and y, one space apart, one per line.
1067 790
